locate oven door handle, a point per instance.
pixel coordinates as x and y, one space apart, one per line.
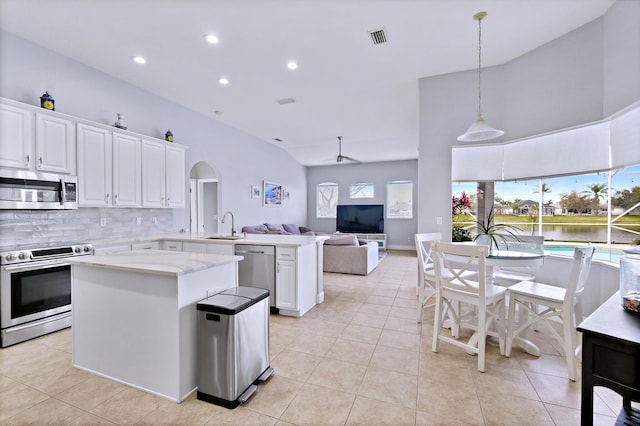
29 266
39 322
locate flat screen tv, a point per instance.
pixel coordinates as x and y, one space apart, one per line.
361 218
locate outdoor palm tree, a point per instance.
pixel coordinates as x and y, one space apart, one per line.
598 190
545 190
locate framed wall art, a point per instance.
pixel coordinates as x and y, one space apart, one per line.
256 191
272 194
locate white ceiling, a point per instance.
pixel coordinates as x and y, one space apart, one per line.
344 86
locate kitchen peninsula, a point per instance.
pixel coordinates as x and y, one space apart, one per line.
135 319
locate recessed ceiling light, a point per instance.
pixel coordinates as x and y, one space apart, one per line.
292 65
210 38
139 60
223 80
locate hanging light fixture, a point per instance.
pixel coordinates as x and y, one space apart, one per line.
479 130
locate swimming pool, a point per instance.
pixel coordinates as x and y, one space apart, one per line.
601 253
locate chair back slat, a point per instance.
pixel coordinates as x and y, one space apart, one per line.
453 261
582 257
424 247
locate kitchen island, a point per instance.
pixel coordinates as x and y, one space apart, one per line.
135 318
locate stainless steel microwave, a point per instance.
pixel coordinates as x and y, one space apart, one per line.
29 190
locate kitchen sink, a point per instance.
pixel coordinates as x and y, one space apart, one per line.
225 237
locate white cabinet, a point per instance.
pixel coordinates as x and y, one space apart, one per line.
175 175
228 249
149 245
53 148
94 166
380 239
163 175
55 144
171 245
127 171
16 137
286 288
194 247
109 168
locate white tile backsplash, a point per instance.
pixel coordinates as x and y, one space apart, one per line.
19 227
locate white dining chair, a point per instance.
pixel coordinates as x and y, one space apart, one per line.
544 301
507 276
451 262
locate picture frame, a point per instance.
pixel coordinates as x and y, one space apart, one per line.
256 191
271 194
286 195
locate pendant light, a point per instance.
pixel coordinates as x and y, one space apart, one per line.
480 130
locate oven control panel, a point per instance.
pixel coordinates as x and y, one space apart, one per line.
44 253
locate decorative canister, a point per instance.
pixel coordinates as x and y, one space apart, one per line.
630 282
120 123
47 101
168 136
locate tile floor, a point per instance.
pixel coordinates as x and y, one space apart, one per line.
359 358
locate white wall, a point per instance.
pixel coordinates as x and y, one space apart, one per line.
27 70
399 232
580 77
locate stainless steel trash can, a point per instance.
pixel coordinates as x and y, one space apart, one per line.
233 345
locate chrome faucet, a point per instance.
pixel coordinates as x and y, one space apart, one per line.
233 226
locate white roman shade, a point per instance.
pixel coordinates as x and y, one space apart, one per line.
604 145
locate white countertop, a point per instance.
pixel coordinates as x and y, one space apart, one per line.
159 262
259 239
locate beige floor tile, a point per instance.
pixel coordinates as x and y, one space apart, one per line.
368 320
370 308
511 410
17 399
188 412
240 417
390 386
380 300
406 325
429 419
312 344
295 365
49 411
319 406
367 412
400 360
340 375
410 312
129 406
400 340
445 369
91 392
452 400
351 351
361 334
498 382
58 379
274 396
326 327
61 340
89 419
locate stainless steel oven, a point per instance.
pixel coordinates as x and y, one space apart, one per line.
35 291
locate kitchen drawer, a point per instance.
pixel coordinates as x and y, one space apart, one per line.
194 247
146 245
285 253
172 245
220 249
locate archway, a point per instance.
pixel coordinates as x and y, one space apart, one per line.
204 188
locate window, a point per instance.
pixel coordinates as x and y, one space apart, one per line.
400 199
361 190
326 199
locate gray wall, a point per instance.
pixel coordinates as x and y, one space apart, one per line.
580 77
399 232
242 160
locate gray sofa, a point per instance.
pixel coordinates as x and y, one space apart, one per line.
347 255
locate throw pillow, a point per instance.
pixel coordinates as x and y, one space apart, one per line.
291 228
254 229
275 227
342 240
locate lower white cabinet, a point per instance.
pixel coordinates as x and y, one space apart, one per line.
172 245
194 247
228 249
286 282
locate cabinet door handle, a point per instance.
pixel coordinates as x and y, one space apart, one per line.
278 267
39 162
28 159
107 198
115 199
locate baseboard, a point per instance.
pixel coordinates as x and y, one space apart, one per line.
394 247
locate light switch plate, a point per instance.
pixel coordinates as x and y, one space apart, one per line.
103 221
138 220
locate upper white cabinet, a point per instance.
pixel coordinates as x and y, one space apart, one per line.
52 150
127 171
16 137
163 174
55 144
94 166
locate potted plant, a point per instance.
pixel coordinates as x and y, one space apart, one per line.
490 233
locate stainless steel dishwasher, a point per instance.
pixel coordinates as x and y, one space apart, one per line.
258 268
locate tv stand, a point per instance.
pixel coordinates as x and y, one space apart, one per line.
381 239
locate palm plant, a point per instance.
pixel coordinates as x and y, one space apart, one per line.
495 231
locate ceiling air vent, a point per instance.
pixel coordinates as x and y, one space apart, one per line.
285 101
378 36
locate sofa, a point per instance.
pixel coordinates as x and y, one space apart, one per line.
277 228
346 254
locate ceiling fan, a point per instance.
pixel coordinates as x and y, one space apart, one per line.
341 157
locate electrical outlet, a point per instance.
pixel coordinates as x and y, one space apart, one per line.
154 220
103 221
138 220
439 220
